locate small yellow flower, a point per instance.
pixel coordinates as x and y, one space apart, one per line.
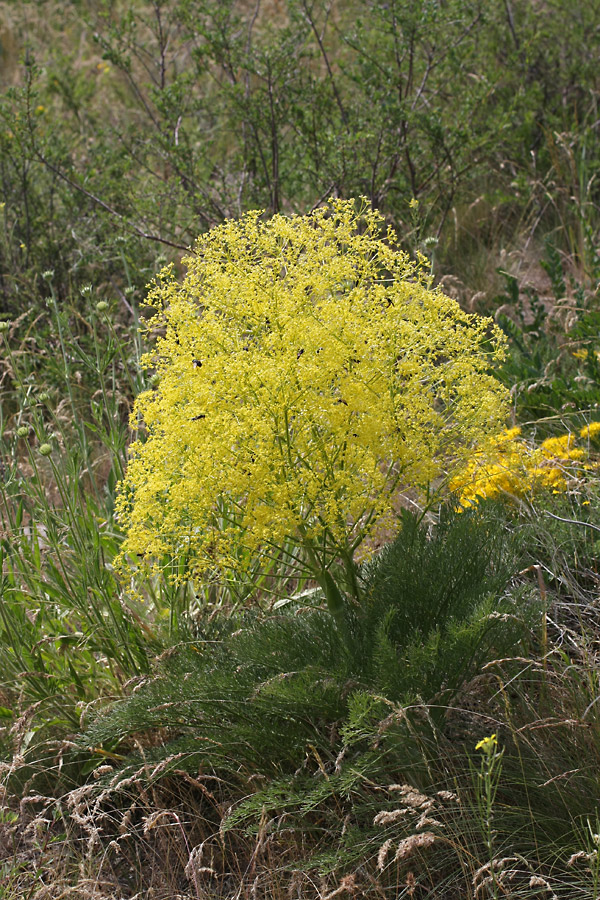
40 110
590 431
487 744
414 203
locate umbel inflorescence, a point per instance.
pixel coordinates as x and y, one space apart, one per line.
306 371
510 467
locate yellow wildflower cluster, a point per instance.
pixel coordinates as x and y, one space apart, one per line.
487 744
510 466
305 371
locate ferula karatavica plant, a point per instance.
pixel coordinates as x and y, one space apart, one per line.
307 372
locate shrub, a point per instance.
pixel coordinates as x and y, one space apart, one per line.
307 371
511 467
251 690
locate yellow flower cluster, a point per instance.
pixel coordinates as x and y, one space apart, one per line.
487 744
510 466
305 370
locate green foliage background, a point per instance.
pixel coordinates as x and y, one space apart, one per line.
146 726
128 127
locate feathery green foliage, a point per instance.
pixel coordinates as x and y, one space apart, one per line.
257 697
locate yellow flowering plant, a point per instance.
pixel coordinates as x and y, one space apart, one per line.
510 466
487 780
305 372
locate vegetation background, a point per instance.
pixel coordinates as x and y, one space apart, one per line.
204 741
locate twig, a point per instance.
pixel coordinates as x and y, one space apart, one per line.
572 521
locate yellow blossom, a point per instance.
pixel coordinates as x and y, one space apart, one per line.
508 465
586 354
487 744
562 447
591 431
306 372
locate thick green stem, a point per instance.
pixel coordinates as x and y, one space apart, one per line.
333 596
335 601
352 580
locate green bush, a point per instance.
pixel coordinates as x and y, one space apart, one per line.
260 692
553 367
